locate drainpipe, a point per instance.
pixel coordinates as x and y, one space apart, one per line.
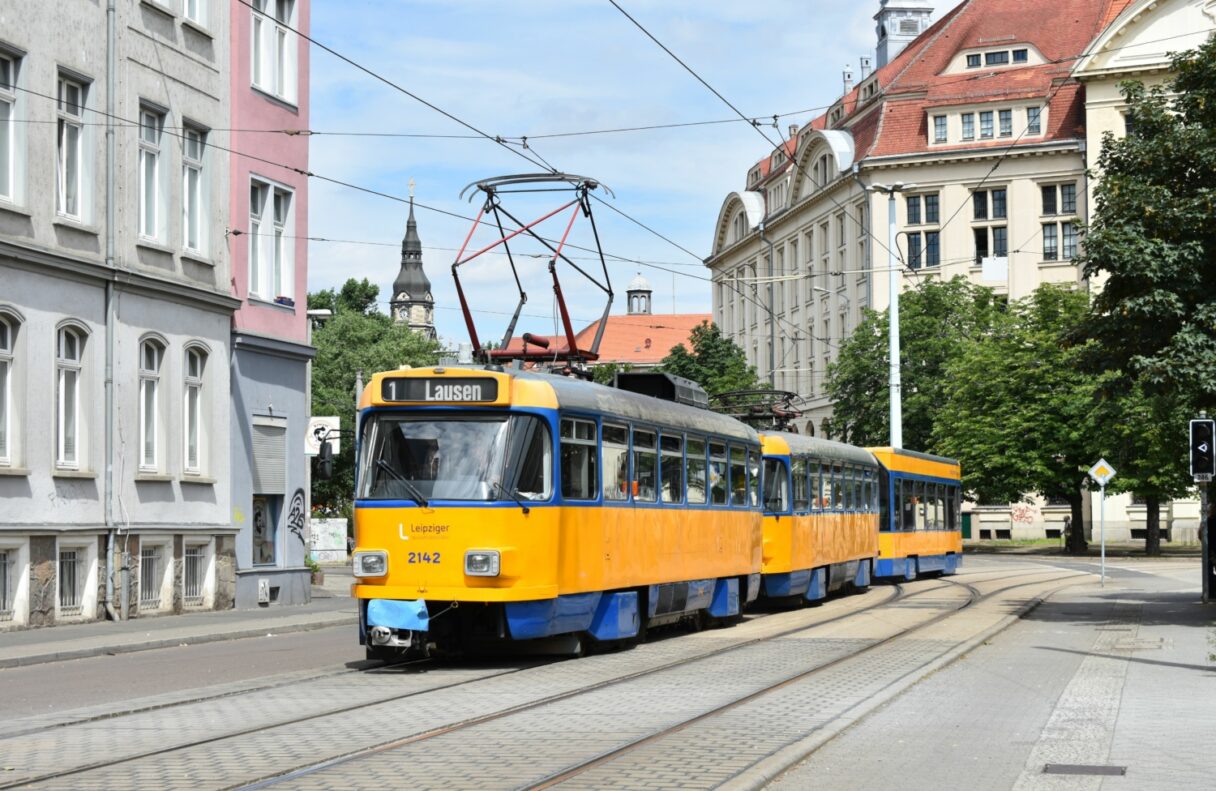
111 264
865 226
772 315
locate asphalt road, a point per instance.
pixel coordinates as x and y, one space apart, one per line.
42 689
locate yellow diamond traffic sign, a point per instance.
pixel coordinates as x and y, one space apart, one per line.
1102 472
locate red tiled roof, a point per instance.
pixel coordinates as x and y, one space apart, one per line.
638 339
1061 30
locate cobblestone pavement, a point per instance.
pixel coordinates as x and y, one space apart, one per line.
263 733
1117 676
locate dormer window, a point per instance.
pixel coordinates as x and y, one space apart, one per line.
1021 56
1000 58
973 61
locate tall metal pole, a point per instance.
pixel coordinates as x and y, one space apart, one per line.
893 275
1102 529
1205 543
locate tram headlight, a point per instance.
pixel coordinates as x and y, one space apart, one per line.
370 564
482 563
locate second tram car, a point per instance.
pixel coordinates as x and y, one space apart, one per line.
494 506
820 516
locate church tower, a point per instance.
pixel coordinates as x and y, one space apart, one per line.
638 296
412 303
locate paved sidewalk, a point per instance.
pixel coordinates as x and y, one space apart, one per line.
329 607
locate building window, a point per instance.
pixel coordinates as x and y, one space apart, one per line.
69 169
1051 251
939 128
913 202
933 255
8 101
196 361
150 577
1000 241
968 126
986 124
1049 200
271 271
194 571
71 582
8 339
999 58
1068 231
1034 120
274 47
973 61
999 210
981 244
151 124
68 364
979 202
932 209
1005 118
193 146
1021 56
150 356
1129 124
1068 199
195 10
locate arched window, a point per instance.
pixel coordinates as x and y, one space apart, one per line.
8 342
151 354
69 368
193 426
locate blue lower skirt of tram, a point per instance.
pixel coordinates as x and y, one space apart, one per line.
815 584
909 568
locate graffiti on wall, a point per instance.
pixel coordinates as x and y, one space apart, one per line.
295 515
1026 514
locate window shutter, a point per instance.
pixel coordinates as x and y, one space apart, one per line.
269 459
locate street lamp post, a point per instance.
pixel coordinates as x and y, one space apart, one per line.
893 275
772 315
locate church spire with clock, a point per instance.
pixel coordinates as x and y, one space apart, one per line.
412 303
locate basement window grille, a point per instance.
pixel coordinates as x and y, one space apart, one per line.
6 595
70 586
149 578
192 576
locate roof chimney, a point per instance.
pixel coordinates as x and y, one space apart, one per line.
867 66
848 79
793 131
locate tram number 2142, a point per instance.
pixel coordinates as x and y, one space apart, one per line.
423 557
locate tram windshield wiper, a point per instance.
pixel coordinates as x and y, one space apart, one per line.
510 496
409 486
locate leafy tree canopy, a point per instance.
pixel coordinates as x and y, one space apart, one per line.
356 339
355 296
715 362
1153 238
936 320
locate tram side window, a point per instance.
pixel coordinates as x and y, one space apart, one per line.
776 487
531 457
816 485
939 507
719 479
580 480
846 487
907 505
672 468
738 475
859 502
952 508
802 496
866 482
696 470
616 462
645 467
753 479
837 487
921 505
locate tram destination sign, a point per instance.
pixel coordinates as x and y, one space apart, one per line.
448 389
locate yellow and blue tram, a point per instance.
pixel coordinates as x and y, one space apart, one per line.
920 518
494 505
821 513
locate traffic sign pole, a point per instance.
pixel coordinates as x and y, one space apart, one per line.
1205 543
1102 529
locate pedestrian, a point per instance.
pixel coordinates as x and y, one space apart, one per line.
350 545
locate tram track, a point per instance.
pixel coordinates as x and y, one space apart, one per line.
896 594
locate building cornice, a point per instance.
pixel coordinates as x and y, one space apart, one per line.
278 347
973 154
38 260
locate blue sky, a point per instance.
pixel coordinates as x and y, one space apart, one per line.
543 67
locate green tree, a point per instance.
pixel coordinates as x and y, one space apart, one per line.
605 373
1015 413
715 362
936 321
1153 238
352 341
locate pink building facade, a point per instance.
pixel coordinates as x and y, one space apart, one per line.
268 209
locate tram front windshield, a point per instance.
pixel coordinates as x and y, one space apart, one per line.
462 457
